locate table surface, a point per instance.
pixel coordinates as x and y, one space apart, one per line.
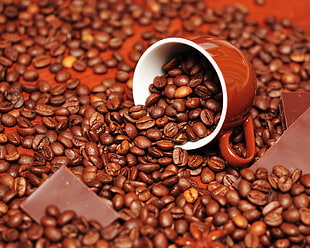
297 11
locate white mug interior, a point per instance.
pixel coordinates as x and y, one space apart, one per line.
149 66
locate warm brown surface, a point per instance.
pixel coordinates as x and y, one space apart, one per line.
297 11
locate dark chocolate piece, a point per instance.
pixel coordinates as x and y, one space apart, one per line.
292 150
292 105
68 192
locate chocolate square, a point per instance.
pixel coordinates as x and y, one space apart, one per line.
292 150
68 192
292 105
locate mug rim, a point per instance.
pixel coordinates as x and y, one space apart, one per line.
189 145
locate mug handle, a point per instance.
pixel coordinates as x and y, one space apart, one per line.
229 153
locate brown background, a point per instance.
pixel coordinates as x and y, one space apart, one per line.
296 10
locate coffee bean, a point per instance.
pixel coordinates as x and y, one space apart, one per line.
145 122
30 75
301 200
165 218
24 59
35 232
170 129
159 190
305 180
212 207
182 92
200 129
180 157
160 240
257 197
5 61
216 163
191 195
291 215
8 119
240 221
102 69
274 218
55 67
62 76
68 61
251 240
285 183
52 233
41 61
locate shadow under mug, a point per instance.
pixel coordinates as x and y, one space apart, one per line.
237 79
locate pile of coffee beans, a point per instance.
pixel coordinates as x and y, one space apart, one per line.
65 100
186 101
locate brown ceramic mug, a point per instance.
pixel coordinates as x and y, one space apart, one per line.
237 81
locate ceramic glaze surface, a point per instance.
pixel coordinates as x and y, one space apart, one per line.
238 75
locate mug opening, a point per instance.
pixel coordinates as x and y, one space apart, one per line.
149 66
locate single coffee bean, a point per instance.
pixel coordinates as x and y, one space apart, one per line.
30 75
8 119
41 61
145 122
68 61
257 197
216 163
52 233
62 76
291 215
191 195
274 218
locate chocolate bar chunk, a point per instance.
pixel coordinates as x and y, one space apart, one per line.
292 150
68 192
292 105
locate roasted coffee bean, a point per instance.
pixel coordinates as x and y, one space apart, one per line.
24 59
165 218
62 76
145 122
212 207
257 197
240 221
55 67
30 75
191 195
41 61
305 180
8 119
261 185
216 163
291 215
207 117
301 200
160 190
52 233
170 129
285 183
297 189
247 174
